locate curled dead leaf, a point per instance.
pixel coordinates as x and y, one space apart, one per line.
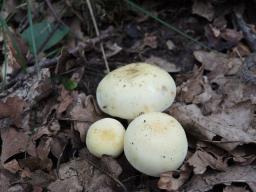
13 107
203 9
172 181
84 112
218 63
208 156
231 127
205 182
15 142
12 166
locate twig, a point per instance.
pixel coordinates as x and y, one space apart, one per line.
106 173
98 34
59 159
249 35
69 4
55 15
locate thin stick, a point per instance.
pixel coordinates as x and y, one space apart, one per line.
98 34
106 172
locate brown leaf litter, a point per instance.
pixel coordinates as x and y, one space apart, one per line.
207 156
172 181
238 174
15 142
13 108
84 111
218 106
79 174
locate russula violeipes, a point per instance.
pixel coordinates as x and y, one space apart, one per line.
135 89
105 137
155 143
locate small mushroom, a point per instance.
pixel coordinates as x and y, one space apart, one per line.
155 143
135 89
105 137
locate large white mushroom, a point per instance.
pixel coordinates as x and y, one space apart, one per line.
155 143
105 137
135 89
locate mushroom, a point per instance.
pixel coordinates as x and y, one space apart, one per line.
155 143
105 137
135 89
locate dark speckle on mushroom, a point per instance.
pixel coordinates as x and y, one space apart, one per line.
164 88
104 107
163 156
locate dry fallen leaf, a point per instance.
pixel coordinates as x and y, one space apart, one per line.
84 112
12 166
59 143
232 35
79 175
233 188
208 156
34 163
66 98
114 49
43 147
51 129
164 64
6 179
172 181
187 91
206 181
150 40
13 107
68 184
40 178
204 9
15 142
231 126
218 63
243 156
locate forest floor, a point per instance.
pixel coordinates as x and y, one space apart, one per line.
52 61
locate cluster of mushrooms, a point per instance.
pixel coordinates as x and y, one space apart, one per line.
154 142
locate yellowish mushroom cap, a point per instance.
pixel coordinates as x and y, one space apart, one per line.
155 143
135 89
105 137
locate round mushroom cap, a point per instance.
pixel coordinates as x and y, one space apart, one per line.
155 143
135 89
105 137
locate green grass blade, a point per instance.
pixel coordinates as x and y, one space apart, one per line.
34 51
148 13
